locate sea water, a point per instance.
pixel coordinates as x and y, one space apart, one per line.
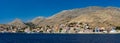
58 38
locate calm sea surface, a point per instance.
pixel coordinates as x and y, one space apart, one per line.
58 38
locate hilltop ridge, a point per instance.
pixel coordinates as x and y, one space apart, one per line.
95 15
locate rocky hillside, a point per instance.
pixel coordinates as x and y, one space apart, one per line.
94 15
100 16
38 20
109 16
67 15
17 22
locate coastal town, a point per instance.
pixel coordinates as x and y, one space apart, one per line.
61 28
59 21
83 20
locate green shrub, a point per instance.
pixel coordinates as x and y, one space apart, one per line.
118 28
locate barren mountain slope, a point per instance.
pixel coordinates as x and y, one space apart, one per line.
104 17
67 15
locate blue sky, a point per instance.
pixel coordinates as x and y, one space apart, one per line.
29 9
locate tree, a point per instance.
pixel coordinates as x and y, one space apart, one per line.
118 28
31 25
